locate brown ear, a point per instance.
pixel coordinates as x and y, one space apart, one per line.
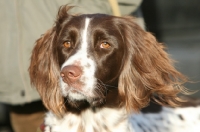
44 72
148 71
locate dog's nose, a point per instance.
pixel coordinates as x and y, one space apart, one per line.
71 73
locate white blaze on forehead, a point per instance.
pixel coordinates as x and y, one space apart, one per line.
81 59
85 36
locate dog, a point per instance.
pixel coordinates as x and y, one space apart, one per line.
95 72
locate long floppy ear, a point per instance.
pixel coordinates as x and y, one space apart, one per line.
148 72
44 72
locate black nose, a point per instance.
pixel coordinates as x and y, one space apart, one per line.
71 73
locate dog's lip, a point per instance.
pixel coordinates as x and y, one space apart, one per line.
77 86
83 93
75 91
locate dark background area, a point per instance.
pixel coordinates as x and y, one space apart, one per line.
176 23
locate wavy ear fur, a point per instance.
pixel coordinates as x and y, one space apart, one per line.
44 71
148 72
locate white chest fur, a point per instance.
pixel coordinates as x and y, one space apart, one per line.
103 120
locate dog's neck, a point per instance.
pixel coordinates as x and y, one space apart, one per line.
90 120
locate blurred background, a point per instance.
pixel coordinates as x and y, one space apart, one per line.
176 23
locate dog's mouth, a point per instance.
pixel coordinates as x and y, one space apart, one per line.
84 102
80 96
76 86
79 99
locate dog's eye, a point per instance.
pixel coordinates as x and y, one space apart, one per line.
105 45
67 44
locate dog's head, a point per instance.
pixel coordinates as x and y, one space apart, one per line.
89 60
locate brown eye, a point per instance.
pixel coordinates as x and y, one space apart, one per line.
105 45
67 44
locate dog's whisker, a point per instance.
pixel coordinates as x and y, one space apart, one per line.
106 85
110 86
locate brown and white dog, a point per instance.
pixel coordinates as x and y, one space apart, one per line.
93 70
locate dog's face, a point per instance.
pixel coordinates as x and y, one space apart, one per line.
91 60
90 52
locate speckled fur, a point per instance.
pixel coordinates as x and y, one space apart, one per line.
100 120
